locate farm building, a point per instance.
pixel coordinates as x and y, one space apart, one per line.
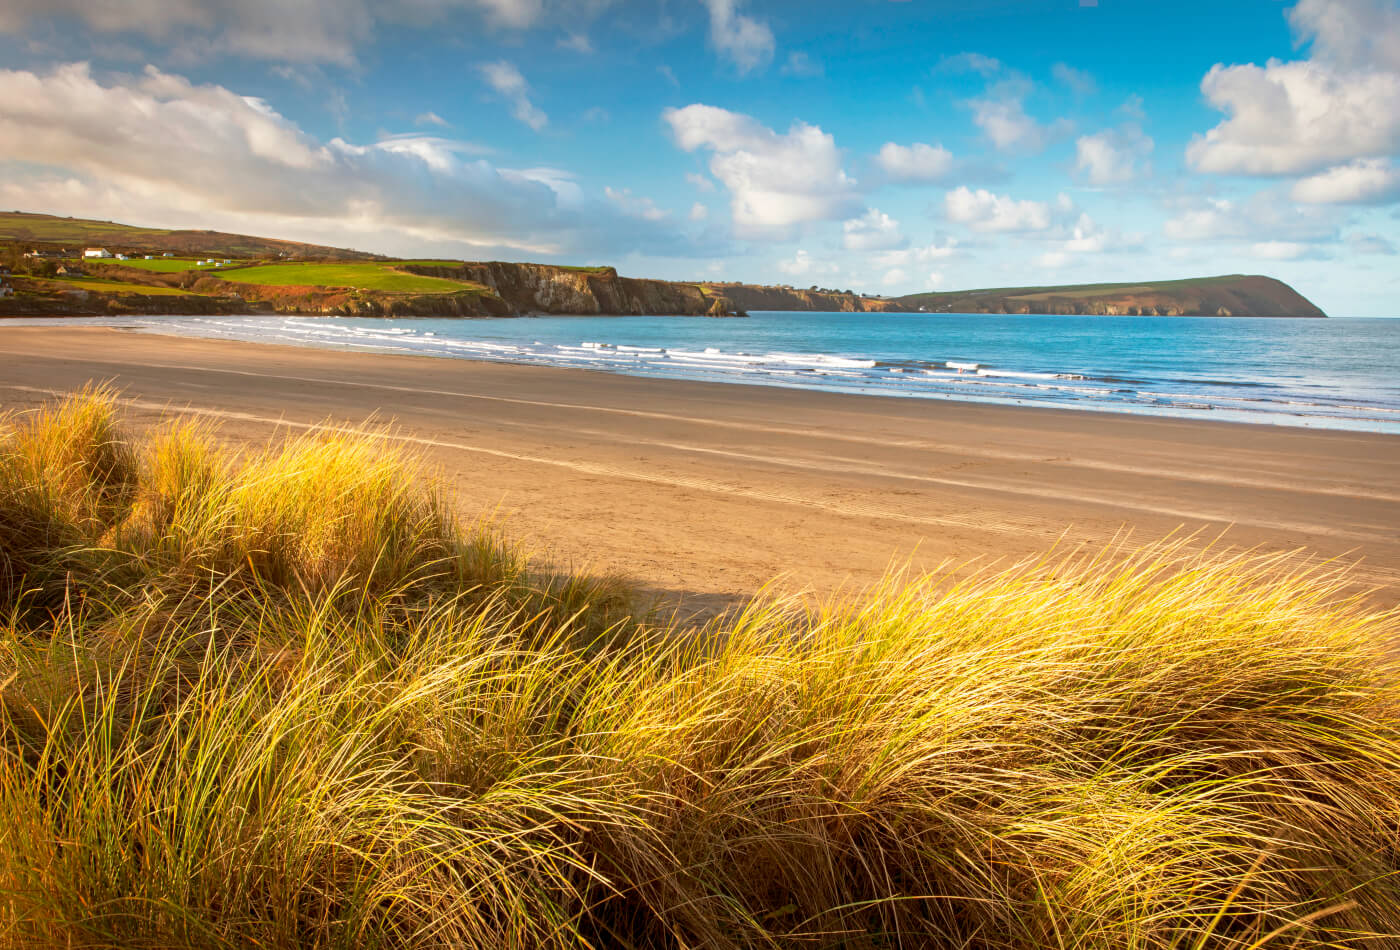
97 252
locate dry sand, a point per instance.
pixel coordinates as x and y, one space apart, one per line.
711 490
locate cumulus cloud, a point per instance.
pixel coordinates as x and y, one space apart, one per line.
635 206
803 66
1286 251
872 231
1002 117
914 163
918 256
1262 216
1113 156
327 31
744 41
1078 81
1295 118
578 42
776 182
970 63
1364 181
1330 116
155 144
802 264
508 82
982 210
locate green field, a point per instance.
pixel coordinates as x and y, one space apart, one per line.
115 287
162 265
354 276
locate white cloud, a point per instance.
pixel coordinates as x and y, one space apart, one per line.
970 63
1077 80
982 210
1351 33
700 181
507 80
1002 117
1086 237
1326 116
1052 260
801 264
431 118
894 277
699 212
578 42
872 231
802 65
1262 216
327 31
1295 118
634 206
918 256
1364 181
1284 251
155 147
1113 156
775 182
744 41
914 163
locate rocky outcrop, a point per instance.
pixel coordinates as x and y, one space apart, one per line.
752 297
545 288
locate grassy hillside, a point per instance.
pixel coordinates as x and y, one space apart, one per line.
270 273
385 277
1229 295
53 232
282 699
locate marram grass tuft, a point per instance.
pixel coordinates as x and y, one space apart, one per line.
284 700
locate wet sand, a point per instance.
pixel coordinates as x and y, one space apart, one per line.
710 490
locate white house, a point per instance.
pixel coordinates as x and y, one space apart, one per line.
168 254
97 252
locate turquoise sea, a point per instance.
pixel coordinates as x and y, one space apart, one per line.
1337 373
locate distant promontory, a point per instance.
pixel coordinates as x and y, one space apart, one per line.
52 266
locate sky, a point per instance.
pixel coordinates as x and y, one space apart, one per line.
886 146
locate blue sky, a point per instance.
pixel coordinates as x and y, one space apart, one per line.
879 145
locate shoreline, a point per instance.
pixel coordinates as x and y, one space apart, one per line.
713 489
1017 384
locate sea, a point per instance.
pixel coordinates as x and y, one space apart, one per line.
1327 374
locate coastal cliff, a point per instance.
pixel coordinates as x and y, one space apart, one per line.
547 288
146 271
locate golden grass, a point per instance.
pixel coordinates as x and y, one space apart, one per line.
283 700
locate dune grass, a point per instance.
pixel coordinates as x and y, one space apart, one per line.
282 699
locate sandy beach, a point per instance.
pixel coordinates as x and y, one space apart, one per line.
711 490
